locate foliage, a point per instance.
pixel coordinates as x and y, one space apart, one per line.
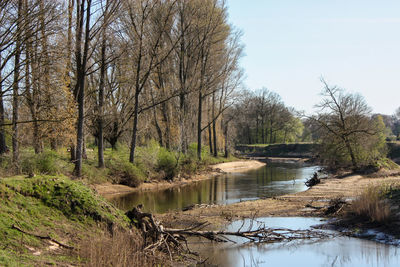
262 117
167 162
43 163
349 136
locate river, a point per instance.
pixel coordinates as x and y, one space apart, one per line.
271 180
268 181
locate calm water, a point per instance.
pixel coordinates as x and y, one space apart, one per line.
268 181
338 251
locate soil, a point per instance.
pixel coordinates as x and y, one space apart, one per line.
109 190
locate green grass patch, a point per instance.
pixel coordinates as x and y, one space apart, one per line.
47 205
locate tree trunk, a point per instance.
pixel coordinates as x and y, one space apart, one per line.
72 150
79 136
100 138
249 134
257 130
270 134
210 144
81 73
199 117
158 128
263 130
3 146
134 129
164 109
226 141
214 130
352 156
84 153
36 139
15 98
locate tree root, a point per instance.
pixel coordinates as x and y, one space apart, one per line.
169 240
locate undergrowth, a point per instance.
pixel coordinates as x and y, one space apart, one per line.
374 206
152 162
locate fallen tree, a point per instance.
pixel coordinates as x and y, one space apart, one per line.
168 239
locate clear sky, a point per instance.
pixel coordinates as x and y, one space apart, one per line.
290 44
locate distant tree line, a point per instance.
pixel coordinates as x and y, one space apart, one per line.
263 118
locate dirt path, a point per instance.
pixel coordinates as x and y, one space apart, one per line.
110 190
286 205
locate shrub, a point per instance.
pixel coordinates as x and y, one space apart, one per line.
167 163
372 205
188 165
126 173
147 155
94 174
44 163
132 175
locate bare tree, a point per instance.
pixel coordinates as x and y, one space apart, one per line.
144 40
81 57
347 130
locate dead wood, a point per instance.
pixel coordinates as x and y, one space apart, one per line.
334 207
162 238
313 180
41 237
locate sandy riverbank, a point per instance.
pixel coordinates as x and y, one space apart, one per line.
282 206
109 190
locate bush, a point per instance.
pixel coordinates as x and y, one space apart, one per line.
167 163
126 173
43 163
147 155
372 205
188 165
94 174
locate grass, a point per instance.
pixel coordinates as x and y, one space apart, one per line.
122 248
47 205
375 204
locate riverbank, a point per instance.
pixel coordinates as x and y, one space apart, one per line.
308 203
109 190
54 221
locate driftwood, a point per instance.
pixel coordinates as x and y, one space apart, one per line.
334 207
46 237
159 237
313 180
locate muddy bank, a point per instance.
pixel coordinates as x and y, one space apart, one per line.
109 190
283 206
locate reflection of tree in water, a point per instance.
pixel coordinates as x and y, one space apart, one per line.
229 188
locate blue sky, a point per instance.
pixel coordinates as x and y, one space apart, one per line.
290 44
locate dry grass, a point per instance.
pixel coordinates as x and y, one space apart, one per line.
122 248
372 205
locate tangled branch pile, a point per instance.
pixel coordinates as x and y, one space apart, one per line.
175 240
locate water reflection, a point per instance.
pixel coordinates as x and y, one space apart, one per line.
339 251
268 181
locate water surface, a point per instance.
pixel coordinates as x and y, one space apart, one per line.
337 251
268 181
